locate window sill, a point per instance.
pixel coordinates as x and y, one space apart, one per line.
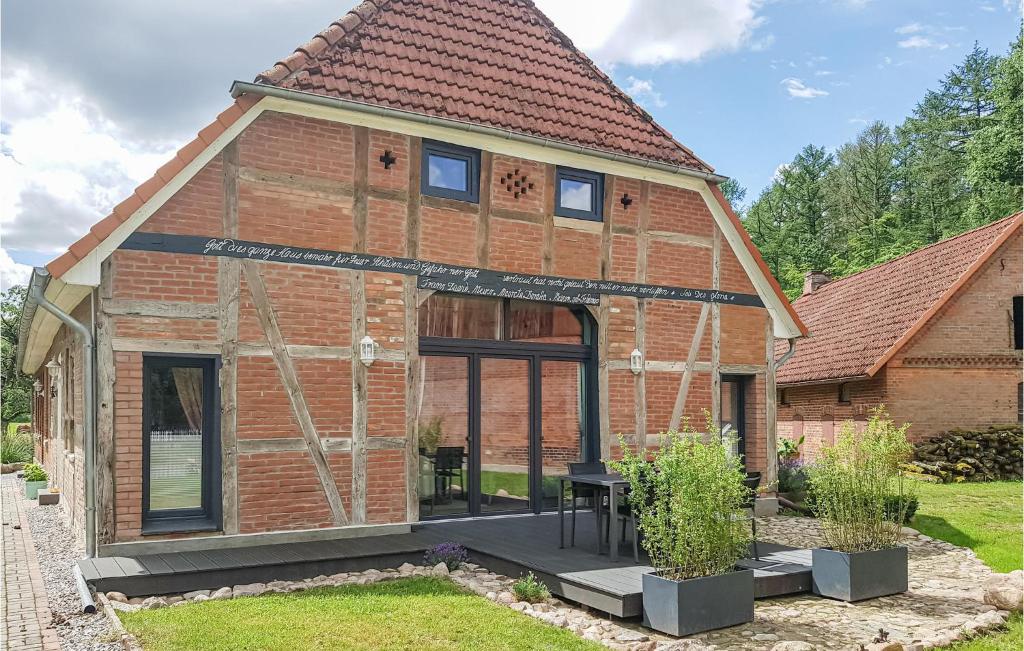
175 525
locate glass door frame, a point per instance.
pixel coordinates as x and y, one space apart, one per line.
740 381
536 354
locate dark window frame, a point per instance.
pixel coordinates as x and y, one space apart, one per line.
844 387
446 150
596 180
1018 322
208 517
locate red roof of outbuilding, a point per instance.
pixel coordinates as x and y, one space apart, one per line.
857 323
497 63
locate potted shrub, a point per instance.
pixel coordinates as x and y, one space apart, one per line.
35 478
861 499
688 499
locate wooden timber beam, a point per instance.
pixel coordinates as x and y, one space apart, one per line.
290 380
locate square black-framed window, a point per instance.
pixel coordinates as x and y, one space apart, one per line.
450 171
181 472
1018 322
579 194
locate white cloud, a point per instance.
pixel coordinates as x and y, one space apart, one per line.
922 42
857 121
823 73
623 31
986 7
11 272
64 164
796 88
909 28
642 90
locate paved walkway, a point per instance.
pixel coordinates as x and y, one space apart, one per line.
23 606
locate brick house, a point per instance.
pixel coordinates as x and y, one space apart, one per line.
934 335
336 308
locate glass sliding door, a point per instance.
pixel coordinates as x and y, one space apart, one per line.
505 434
443 421
563 423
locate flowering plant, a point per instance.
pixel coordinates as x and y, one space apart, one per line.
451 554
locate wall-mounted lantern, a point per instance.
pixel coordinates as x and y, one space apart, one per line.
37 387
636 361
367 350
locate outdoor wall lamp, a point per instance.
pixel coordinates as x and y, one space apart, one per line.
37 387
636 361
367 350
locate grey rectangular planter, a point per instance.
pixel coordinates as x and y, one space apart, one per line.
860 575
696 605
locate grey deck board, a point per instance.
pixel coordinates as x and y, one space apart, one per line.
509 545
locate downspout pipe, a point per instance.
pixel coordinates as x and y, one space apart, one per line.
789 353
37 294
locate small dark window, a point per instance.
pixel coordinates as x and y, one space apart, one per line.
181 472
1018 322
579 194
1020 402
450 171
844 393
784 397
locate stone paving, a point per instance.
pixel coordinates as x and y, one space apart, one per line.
27 623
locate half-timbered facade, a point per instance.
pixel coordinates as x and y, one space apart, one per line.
413 271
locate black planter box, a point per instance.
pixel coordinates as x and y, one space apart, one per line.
860 575
697 605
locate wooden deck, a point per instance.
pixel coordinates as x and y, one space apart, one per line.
508 545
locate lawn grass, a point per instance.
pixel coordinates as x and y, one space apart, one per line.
415 613
985 517
1008 640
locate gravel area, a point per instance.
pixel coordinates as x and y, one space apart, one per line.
58 550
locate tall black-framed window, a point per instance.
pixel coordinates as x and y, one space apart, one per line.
1018 322
579 194
181 472
450 171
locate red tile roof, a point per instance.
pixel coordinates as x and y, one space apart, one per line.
858 322
498 63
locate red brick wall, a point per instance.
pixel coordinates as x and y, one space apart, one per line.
959 371
296 185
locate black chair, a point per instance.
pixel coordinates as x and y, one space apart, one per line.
586 492
448 466
628 517
751 482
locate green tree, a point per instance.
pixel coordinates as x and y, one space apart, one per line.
734 194
994 152
938 135
15 386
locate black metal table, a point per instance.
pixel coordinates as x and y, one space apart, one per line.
609 481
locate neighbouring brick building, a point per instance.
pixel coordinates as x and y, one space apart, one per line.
934 335
417 267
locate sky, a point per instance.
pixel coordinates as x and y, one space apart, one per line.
96 95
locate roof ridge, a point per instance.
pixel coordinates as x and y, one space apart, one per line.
602 77
908 254
361 14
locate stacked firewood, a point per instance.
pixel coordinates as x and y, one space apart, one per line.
957 455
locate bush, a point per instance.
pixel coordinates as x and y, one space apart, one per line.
16 446
530 590
893 505
35 472
451 554
788 449
688 499
792 477
858 490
